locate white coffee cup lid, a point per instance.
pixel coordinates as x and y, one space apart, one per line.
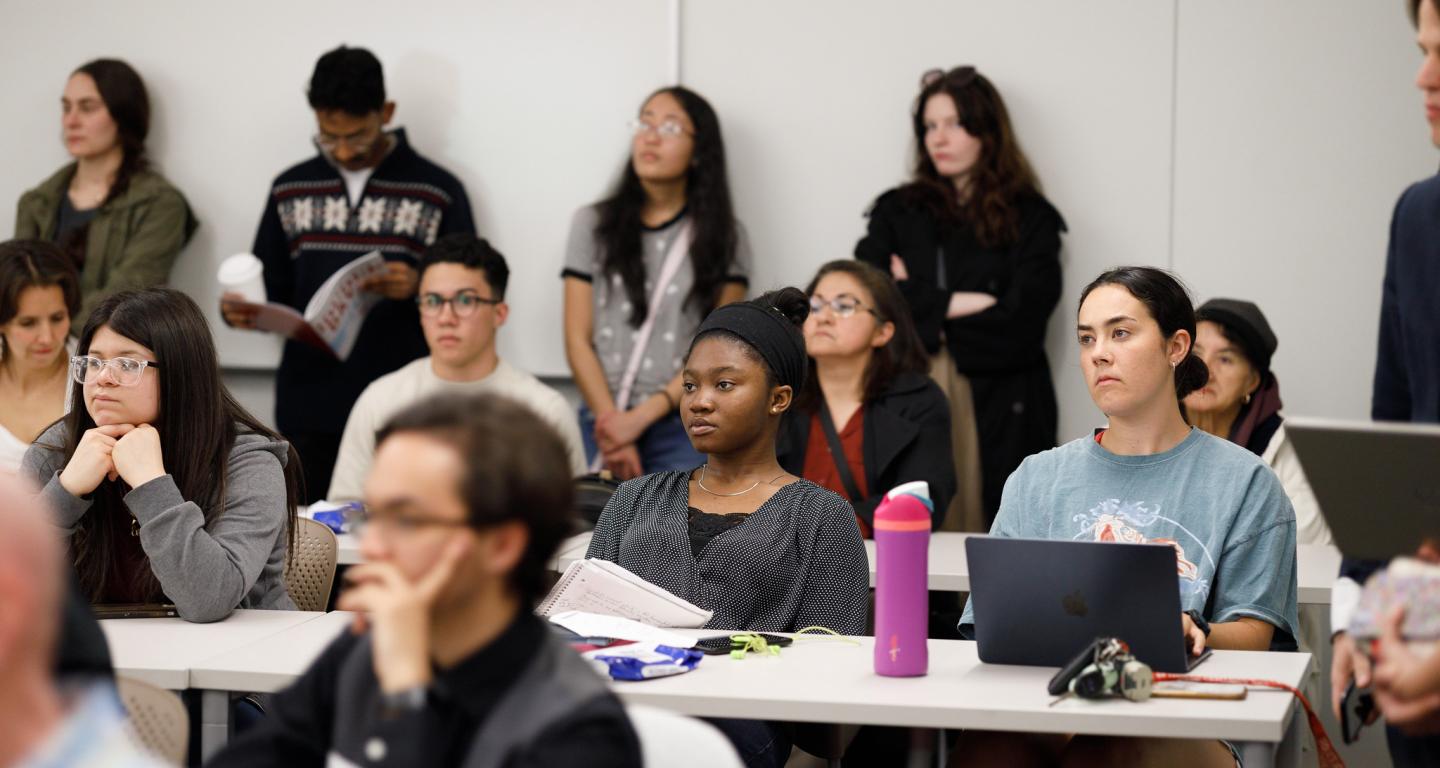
240 268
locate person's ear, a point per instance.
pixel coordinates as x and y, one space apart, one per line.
502 311
1178 348
387 113
501 547
883 334
1252 383
780 399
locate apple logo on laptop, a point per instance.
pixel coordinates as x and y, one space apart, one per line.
1074 604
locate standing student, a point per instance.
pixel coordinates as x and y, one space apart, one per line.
48 718
1407 388
365 190
1241 401
39 295
462 306
765 550
642 269
975 247
1148 477
167 489
447 665
121 223
868 394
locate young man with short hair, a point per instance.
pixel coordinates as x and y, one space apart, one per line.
366 189
448 666
462 306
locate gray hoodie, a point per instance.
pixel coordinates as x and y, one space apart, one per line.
237 561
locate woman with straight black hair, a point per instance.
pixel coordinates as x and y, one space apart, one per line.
975 248
168 489
642 269
39 296
1149 477
120 221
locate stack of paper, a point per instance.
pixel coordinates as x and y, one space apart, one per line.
600 586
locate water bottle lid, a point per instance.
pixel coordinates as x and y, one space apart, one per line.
902 512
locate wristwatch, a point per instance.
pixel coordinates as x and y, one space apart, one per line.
404 701
1199 620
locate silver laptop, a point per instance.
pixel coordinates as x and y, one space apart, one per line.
1378 483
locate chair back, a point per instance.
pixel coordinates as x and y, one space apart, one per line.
157 722
311 572
667 738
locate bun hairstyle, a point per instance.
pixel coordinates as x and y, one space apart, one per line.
1169 303
792 303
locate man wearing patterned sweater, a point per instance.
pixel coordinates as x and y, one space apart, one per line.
366 189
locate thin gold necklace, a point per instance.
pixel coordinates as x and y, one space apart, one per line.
701 483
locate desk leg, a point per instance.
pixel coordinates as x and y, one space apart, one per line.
1257 754
214 722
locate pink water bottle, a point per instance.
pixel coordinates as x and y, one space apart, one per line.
902 600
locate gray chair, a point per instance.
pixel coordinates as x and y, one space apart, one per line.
157 722
311 572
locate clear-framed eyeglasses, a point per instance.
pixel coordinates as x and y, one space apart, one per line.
668 129
125 371
465 303
842 306
360 145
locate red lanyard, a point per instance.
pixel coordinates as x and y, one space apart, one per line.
1329 757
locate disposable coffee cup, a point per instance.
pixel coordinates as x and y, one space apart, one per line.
244 274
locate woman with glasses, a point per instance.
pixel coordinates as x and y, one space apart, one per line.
39 294
642 269
975 248
867 399
168 490
120 221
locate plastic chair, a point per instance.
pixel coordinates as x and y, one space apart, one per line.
158 722
311 572
668 739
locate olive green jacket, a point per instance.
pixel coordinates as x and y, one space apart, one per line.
133 241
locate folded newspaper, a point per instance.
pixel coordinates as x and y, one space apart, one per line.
333 318
600 586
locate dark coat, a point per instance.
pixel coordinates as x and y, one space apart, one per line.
1001 350
907 438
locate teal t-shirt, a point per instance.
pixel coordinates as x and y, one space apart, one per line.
1217 504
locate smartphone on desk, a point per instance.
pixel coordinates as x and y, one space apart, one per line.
720 645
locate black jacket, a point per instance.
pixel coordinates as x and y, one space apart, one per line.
1000 350
907 438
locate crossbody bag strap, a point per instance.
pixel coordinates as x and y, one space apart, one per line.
837 453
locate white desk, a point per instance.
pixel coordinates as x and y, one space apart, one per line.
349 550
162 652
1317 565
825 680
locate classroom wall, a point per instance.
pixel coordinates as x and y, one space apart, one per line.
1257 148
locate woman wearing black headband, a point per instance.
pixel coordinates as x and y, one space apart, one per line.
762 548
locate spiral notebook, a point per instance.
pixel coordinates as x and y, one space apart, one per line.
600 586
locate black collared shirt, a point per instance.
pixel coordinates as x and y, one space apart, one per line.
299 725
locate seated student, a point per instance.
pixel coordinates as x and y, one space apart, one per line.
1241 401
39 294
467 500
168 490
120 222
462 306
869 382
46 720
739 535
1149 477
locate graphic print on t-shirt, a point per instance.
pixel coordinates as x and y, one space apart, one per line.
1130 522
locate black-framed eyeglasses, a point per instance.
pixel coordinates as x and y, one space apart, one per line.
464 303
959 76
358 517
842 306
1355 713
126 371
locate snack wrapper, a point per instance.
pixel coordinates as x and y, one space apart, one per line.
643 661
1409 582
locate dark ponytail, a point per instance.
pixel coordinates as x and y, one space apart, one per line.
1169 303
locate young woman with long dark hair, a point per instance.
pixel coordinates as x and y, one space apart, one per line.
168 489
39 296
642 269
120 221
975 248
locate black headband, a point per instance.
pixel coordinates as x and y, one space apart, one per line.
770 333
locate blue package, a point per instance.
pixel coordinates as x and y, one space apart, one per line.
334 517
643 661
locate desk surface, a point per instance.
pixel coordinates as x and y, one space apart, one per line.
827 680
163 651
1317 565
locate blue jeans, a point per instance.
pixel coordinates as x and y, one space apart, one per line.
663 447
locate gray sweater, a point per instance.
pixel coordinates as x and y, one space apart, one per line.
237 561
